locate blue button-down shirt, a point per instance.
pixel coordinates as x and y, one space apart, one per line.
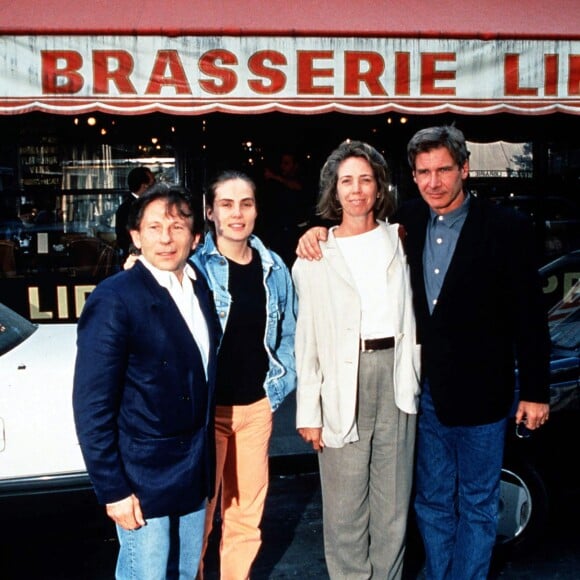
441 238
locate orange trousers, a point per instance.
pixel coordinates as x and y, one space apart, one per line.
242 440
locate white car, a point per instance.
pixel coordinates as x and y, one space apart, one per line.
39 450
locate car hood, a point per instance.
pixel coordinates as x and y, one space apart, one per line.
36 417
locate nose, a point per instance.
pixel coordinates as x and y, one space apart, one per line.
165 236
434 178
237 210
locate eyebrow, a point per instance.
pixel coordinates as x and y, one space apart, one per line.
351 175
232 199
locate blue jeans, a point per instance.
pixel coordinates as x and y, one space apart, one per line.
166 548
457 483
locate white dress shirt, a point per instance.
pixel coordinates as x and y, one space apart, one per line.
187 303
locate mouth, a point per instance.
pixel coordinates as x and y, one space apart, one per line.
358 201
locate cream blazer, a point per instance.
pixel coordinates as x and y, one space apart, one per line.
328 340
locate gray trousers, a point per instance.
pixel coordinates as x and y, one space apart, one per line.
366 485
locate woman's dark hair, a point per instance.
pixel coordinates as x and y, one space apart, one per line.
328 206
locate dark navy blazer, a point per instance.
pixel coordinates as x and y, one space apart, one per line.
142 405
489 315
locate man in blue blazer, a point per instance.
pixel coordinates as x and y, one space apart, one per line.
479 311
143 393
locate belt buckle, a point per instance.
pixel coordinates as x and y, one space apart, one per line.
364 346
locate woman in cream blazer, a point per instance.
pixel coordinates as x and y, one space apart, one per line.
358 368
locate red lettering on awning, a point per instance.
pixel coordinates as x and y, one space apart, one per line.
276 78
64 79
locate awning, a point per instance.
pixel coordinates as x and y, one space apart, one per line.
193 57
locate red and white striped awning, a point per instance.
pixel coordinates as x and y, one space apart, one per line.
191 57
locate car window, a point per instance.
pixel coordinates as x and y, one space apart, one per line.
560 209
564 320
14 329
559 277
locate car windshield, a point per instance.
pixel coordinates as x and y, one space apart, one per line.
564 320
14 329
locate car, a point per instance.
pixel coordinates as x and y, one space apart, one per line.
538 474
39 450
556 220
559 276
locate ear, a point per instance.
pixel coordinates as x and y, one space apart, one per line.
136 237
465 170
209 213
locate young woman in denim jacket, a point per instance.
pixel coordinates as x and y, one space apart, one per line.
256 306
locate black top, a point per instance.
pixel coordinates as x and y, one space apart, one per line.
242 359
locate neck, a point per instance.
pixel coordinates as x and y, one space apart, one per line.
239 252
179 275
355 226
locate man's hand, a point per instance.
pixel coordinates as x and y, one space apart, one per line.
312 435
127 513
308 246
533 415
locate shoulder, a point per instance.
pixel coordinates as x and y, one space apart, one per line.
267 255
206 254
304 267
121 285
389 228
278 262
125 204
411 210
498 216
200 275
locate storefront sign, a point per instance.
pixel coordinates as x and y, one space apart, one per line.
196 75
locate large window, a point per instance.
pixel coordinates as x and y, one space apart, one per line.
59 198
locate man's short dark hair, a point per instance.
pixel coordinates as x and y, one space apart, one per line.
137 177
173 197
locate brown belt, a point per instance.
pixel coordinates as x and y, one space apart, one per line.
370 344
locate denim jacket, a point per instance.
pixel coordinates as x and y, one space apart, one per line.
281 311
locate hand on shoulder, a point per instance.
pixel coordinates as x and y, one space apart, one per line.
309 243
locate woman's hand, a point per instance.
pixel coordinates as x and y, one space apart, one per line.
312 435
130 261
308 246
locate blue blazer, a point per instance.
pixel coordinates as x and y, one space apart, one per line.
489 315
142 405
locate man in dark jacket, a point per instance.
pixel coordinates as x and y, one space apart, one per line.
143 393
478 305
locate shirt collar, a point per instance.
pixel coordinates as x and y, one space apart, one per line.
163 277
457 215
